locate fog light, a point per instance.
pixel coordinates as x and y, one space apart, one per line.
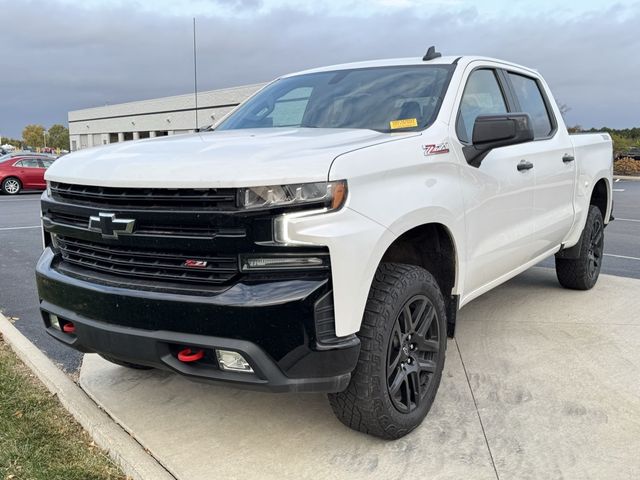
232 361
55 323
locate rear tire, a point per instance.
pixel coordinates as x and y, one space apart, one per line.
122 363
403 341
11 186
582 273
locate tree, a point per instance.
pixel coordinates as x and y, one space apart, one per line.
33 135
621 144
58 137
564 108
11 141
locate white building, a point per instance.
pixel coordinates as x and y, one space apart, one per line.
151 118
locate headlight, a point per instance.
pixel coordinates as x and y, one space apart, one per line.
330 195
48 188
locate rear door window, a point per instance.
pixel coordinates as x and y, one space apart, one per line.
529 96
28 163
482 96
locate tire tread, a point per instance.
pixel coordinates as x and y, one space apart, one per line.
572 272
360 406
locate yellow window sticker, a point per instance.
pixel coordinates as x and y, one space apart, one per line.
404 123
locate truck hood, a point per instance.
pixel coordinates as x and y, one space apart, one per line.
232 158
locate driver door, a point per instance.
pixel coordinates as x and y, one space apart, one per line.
498 196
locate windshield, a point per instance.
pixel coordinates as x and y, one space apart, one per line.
385 99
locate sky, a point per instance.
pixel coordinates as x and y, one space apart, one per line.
62 55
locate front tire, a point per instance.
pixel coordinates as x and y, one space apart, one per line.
403 341
11 186
582 273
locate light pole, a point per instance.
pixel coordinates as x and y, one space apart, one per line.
44 136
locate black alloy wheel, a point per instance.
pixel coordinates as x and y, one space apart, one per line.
596 246
412 353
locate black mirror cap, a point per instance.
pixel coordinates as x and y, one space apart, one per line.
495 131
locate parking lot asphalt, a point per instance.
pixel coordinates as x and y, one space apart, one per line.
21 245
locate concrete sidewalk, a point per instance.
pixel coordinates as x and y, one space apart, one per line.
541 382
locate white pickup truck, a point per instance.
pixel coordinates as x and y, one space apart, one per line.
323 235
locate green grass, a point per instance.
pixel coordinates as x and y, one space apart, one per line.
38 437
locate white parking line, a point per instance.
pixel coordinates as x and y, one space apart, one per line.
618 189
621 256
19 228
628 220
19 199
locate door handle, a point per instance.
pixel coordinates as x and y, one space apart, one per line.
524 165
568 158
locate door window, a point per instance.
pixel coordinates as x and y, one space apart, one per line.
45 162
28 163
528 93
482 96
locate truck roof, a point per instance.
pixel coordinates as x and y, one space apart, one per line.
392 62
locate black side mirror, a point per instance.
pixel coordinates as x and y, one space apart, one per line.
494 131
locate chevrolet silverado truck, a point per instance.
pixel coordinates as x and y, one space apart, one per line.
323 235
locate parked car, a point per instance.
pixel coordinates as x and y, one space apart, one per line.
23 172
26 153
323 237
633 152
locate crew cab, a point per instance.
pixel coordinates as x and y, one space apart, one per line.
323 236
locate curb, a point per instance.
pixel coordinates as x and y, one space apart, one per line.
626 177
108 435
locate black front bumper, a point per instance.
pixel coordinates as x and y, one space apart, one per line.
271 324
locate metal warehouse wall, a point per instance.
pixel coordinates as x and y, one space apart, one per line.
149 118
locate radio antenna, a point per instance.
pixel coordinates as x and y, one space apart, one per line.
195 74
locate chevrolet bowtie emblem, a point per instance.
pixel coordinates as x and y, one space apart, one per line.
109 226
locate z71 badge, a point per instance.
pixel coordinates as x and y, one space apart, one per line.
435 149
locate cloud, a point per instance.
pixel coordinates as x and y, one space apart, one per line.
239 5
58 57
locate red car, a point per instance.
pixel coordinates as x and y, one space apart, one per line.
23 172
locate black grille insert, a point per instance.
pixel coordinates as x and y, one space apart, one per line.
149 229
148 263
154 198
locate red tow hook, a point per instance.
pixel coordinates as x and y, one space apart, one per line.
69 328
187 355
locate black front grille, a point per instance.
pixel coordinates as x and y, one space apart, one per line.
150 228
147 263
65 218
149 198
